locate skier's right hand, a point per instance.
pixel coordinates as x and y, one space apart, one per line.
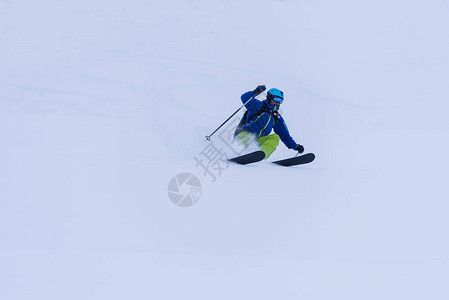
259 89
300 148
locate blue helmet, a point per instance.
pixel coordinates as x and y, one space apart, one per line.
275 95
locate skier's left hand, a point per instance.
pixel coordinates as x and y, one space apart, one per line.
300 148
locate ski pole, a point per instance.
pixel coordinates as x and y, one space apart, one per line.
208 136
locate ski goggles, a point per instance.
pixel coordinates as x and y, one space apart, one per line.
278 99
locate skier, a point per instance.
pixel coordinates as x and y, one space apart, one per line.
260 118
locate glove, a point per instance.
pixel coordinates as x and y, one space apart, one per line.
300 148
259 89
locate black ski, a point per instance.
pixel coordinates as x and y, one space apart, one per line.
249 158
297 160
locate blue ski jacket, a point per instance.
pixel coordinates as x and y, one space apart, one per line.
267 120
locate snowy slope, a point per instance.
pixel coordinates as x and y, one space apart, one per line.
102 103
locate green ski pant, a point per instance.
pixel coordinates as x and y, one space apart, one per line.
266 143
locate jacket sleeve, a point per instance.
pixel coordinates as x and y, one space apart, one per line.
245 97
252 106
280 128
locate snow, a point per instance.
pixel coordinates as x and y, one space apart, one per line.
102 103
